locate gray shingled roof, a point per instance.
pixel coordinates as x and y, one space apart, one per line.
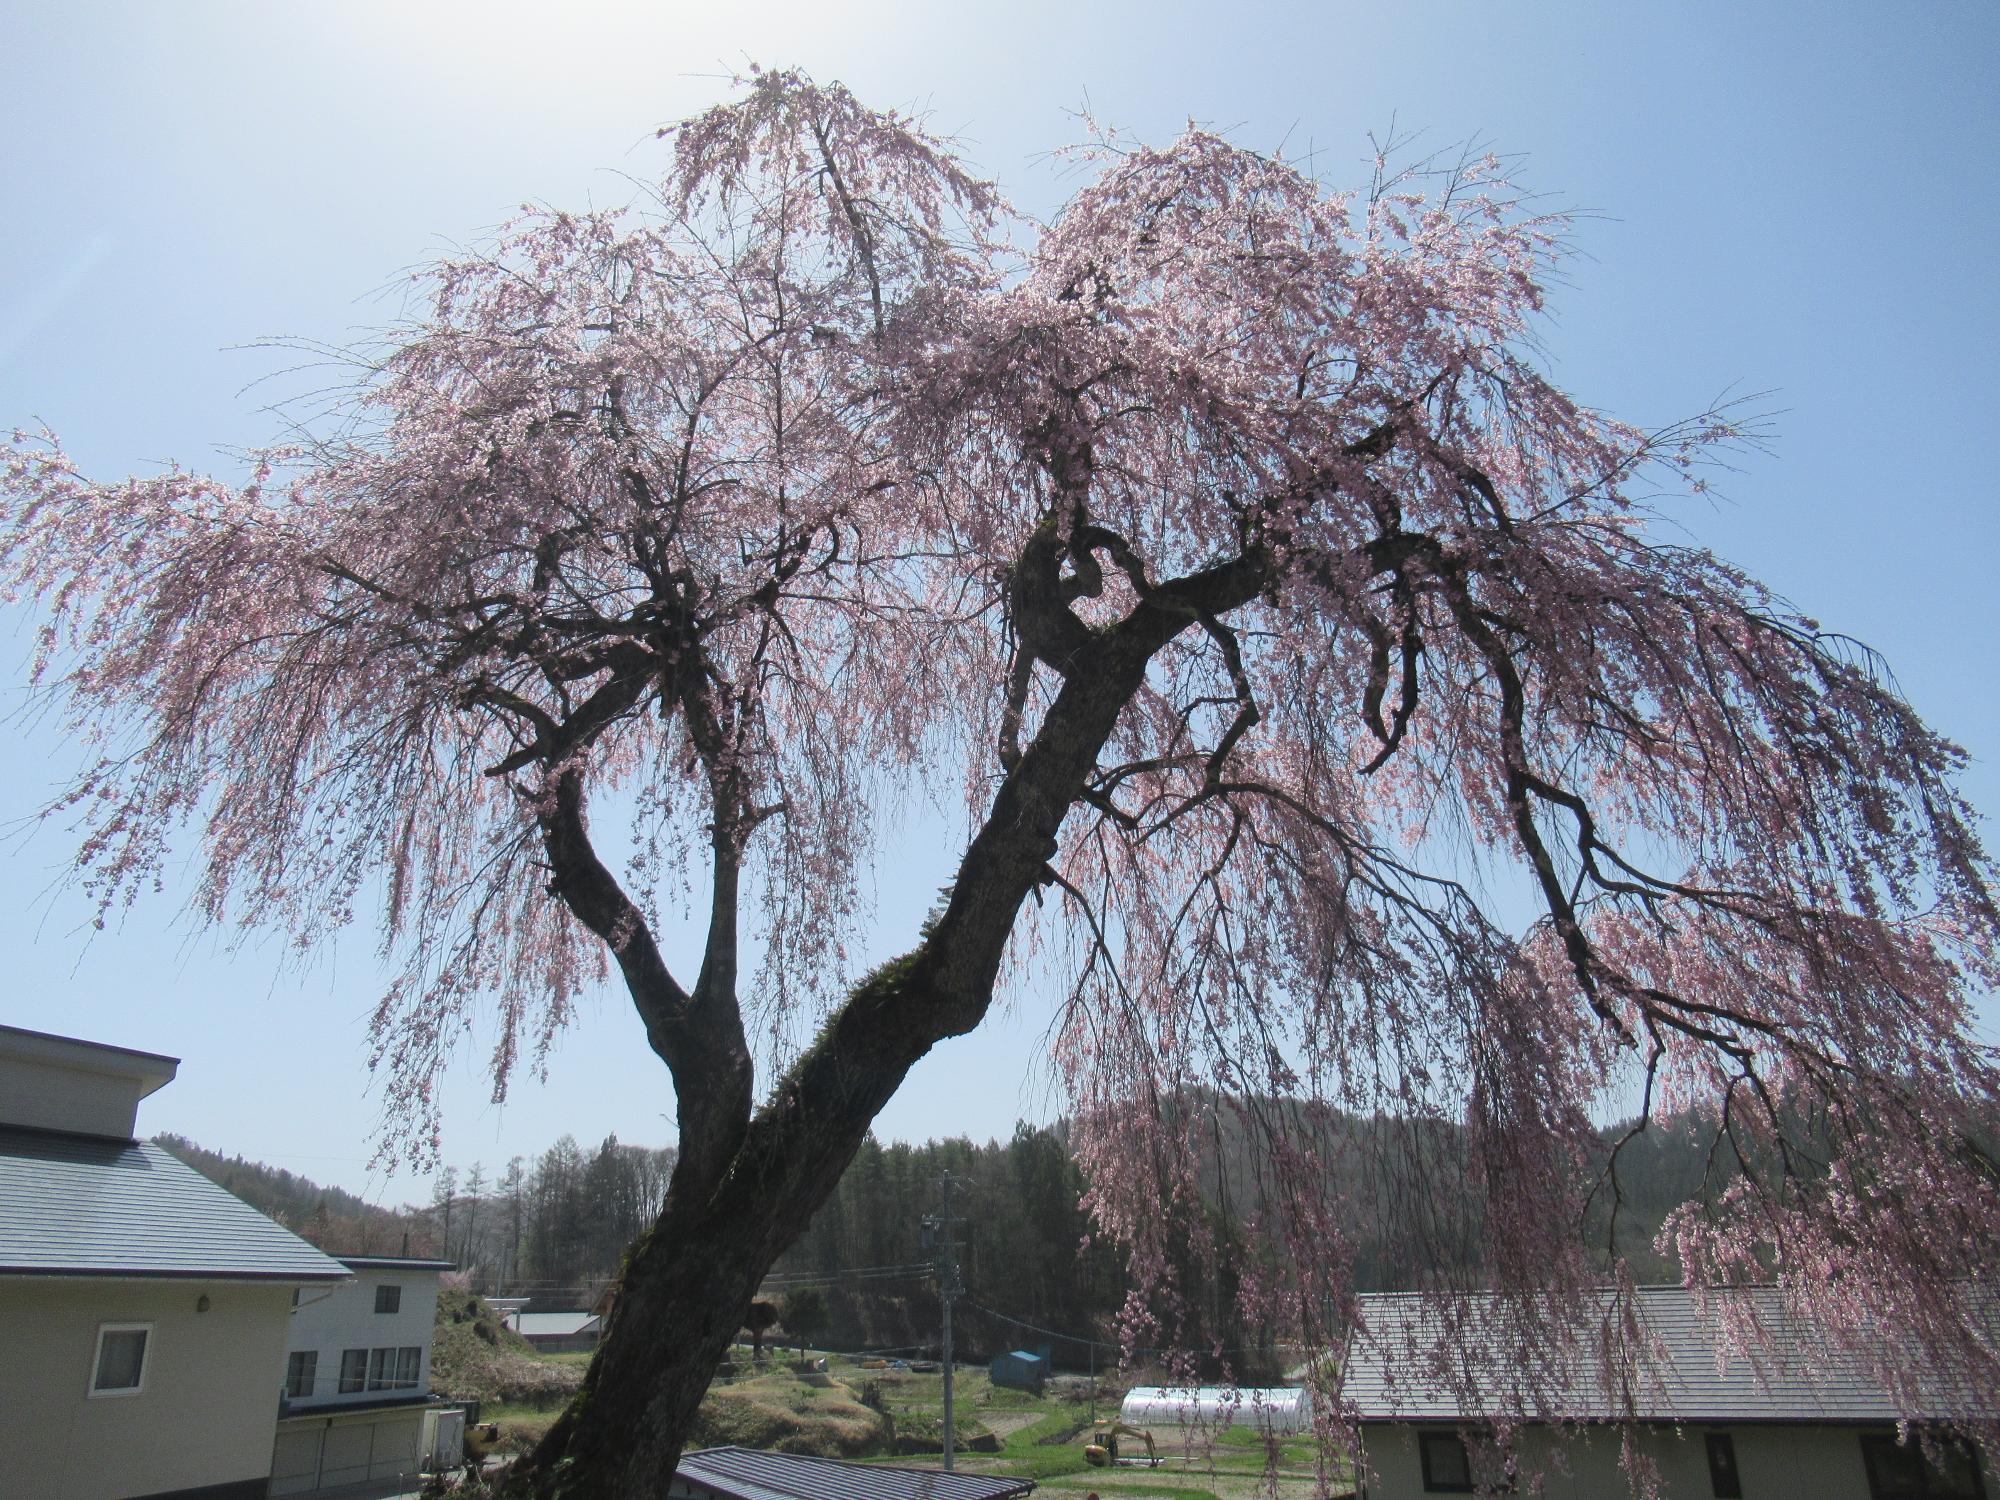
81 1206
1793 1381
744 1474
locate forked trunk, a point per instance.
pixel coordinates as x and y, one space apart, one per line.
685 1288
746 1185
687 1284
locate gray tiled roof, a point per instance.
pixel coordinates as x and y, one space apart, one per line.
82 1206
744 1474
1389 1376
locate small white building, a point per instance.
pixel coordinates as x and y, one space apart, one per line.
145 1310
1713 1430
555 1331
357 1377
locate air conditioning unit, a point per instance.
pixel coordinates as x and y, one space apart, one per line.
444 1439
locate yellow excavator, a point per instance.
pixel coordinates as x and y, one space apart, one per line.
1102 1450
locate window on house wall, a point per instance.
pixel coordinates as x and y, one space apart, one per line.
392 1369
301 1371
1723 1480
120 1366
1903 1471
388 1299
1454 1466
1447 1466
353 1370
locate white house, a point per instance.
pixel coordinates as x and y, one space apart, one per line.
357 1377
1713 1429
146 1310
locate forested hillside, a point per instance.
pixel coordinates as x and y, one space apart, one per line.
331 1218
555 1229
1032 1269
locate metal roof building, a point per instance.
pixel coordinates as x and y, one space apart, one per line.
1022 1369
746 1474
1794 1417
1795 1379
553 1325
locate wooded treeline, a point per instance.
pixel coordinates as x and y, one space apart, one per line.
1020 1231
555 1229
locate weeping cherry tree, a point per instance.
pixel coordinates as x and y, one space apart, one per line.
1222 547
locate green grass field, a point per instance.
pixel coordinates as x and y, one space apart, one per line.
868 1414
1043 1438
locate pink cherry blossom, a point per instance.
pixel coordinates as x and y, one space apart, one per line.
1225 543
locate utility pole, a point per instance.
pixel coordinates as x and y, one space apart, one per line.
939 1236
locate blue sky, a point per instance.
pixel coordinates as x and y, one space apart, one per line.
1792 198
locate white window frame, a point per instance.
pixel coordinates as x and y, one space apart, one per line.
361 1380
97 1359
306 1362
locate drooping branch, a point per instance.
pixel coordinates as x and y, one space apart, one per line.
698 1036
1232 547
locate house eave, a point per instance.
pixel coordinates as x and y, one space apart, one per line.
314 1411
136 1273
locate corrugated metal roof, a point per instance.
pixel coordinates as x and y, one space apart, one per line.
745 1474
81 1206
1797 1379
552 1325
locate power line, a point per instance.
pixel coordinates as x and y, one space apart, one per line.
1148 1349
940 1230
787 1279
1037 1328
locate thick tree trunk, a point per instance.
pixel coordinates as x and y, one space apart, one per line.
685 1288
684 1291
688 1282
746 1186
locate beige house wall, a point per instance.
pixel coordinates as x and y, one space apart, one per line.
205 1415
1774 1460
49 1096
